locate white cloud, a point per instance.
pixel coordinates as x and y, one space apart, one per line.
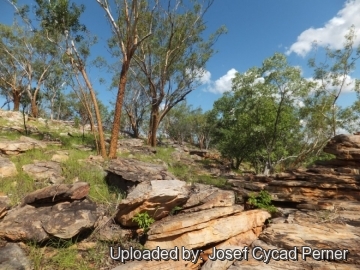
203 76
332 33
349 84
223 84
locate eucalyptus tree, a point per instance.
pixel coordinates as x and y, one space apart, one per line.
333 77
125 21
174 56
61 22
26 62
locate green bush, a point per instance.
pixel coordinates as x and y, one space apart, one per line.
262 200
143 220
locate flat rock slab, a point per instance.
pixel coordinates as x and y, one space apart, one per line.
63 220
156 197
316 236
204 197
131 142
194 230
45 170
127 173
56 193
7 168
36 143
12 257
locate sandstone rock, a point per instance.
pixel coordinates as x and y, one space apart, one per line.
4 204
63 220
56 193
156 197
12 257
155 265
219 264
127 173
15 147
344 147
60 156
7 168
205 197
36 143
131 142
242 239
69 219
317 236
194 231
45 170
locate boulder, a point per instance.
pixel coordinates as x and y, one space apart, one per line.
15 147
194 230
45 171
12 257
127 173
157 197
58 193
63 220
7 168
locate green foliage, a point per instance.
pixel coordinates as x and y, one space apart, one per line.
258 121
143 220
262 200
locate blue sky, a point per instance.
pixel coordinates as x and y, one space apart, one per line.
256 30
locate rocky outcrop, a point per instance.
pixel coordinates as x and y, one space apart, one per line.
127 173
344 147
45 214
7 168
194 230
317 186
156 197
45 171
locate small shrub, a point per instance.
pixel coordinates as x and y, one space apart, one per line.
263 201
143 220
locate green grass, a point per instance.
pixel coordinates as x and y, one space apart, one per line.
16 187
188 174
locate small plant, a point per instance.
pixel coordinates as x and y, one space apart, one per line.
143 220
263 201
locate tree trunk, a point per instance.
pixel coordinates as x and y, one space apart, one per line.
97 113
154 123
118 107
34 108
16 97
